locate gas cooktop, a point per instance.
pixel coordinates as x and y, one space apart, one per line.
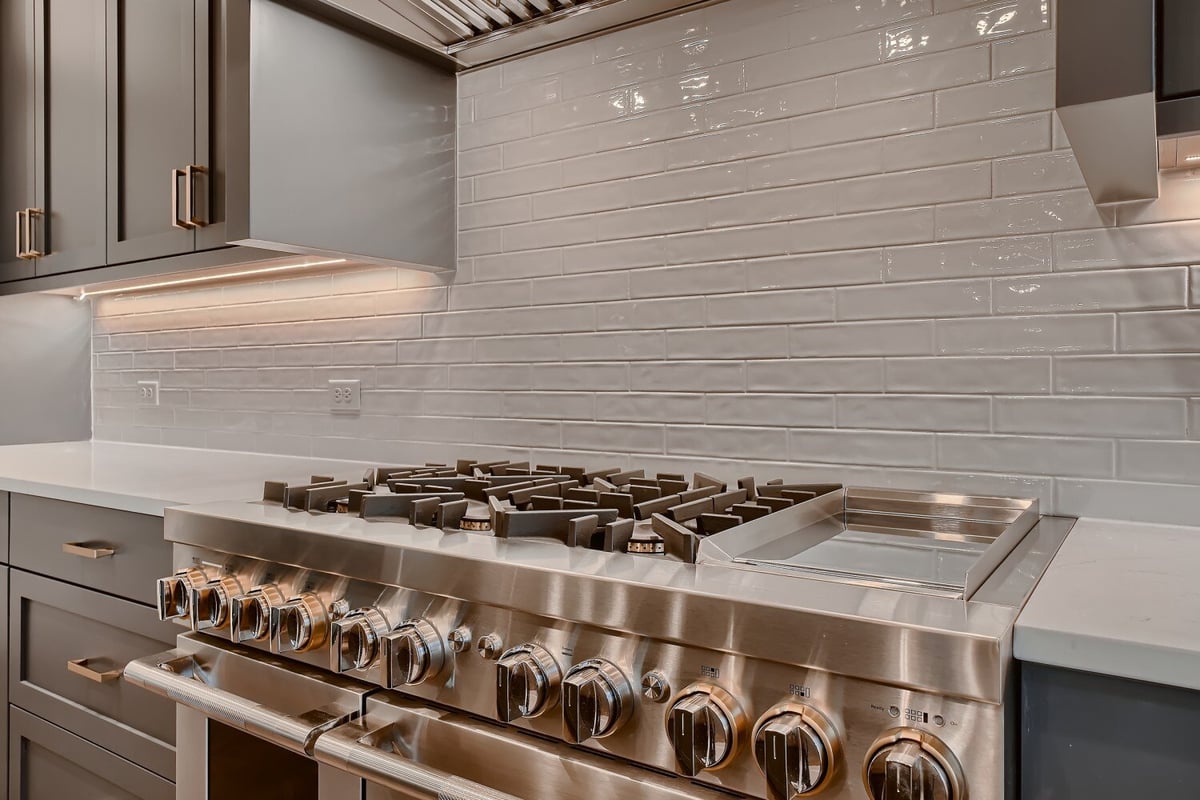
933 543
825 638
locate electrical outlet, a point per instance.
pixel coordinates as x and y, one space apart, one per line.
345 396
147 393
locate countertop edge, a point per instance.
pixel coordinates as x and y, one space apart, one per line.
1117 658
136 504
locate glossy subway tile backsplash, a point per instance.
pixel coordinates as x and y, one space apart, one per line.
841 239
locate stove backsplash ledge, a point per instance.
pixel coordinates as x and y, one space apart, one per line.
836 241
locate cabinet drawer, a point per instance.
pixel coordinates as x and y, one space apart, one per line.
39 529
46 762
66 652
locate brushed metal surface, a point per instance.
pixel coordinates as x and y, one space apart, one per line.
467 682
281 703
416 738
868 658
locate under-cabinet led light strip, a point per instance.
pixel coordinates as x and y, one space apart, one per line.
245 273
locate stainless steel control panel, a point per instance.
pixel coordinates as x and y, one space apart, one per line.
766 729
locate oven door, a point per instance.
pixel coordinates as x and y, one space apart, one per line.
247 722
408 751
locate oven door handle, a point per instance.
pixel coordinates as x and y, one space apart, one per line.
365 754
179 676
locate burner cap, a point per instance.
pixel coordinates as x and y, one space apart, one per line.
647 543
475 522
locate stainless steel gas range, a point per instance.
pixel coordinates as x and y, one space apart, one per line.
505 630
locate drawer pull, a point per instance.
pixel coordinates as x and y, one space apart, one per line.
79 666
84 550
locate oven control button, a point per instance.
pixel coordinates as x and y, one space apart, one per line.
208 604
412 654
175 592
250 613
490 646
299 625
596 700
655 687
460 639
706 726
527 680
355 639
796 748
907 764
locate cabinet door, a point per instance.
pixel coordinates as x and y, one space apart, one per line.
49 763
70 135
210 124
16 130
151 125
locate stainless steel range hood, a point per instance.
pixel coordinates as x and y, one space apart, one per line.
474 32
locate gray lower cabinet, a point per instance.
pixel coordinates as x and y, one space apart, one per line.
110 551
49 763
1096 737
79 607
69 646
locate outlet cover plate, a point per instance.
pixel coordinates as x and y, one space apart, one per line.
147 393
345 397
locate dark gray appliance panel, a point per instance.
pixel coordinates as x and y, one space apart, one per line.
1102 738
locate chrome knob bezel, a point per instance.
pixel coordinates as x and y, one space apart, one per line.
527 682
250 613
300 625
413 654
209 604
609 687
174 592
816 737
356 640
713 709
913 745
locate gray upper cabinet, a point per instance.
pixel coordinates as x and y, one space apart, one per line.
17 193
69 163
53 142
137 133
151 128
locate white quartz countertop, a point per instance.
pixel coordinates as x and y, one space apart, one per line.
1122 599
148 478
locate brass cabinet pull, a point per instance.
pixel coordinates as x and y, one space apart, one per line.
30 251
87 551
176 176
79 666
189 197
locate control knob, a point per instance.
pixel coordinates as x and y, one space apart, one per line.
907 764
527 680
706 726
250 613
299 625
796 749
596 700
209 603
412 654
174 593
356 639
